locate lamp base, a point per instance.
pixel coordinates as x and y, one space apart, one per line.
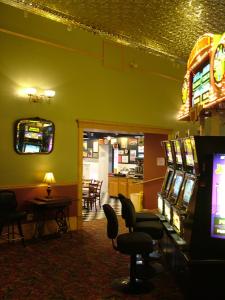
48 191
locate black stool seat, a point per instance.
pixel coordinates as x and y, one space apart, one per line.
134 243
153 228
146 216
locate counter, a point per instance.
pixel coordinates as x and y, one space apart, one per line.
124 185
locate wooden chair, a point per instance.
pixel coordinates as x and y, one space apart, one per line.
89 196
11 216
98 194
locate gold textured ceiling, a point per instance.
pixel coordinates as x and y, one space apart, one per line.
163 27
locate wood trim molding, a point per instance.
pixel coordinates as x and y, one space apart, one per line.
126 127
51 44
31 186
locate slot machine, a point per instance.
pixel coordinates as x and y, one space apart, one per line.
176 185
169 175
199 215
179 210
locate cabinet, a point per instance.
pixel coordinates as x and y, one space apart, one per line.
122 186
134 186
125 186
113 186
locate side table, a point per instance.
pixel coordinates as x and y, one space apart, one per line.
58 207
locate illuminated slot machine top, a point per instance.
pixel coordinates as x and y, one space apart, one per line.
178 152
190 156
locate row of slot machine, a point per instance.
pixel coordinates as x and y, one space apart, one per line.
191 203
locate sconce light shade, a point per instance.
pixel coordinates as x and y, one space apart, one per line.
49 179
36 97
49 93
30 91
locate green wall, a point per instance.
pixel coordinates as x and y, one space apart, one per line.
93 79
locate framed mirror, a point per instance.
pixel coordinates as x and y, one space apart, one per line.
34 135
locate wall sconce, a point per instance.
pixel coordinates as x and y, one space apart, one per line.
38 98
49 178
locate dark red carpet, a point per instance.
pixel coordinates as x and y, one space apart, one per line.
65 268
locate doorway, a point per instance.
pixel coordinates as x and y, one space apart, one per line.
112 160
104 127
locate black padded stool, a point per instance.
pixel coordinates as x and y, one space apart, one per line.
153 228
132 244
140 216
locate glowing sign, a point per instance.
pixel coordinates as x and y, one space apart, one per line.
169 152
218 200
201 84
188 152
219 63
179 160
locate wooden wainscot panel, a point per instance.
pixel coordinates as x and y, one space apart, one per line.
26 193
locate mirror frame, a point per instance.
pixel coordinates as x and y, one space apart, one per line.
32 119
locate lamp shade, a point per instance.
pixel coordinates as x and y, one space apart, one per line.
30 91
49 93
49 178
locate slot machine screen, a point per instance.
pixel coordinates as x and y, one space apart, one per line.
167 211
177 185
218 192
177 148
160 204
201 84
188 152
32 148
188 190
169 181
176 220
169 152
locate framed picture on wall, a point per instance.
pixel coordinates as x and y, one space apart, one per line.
123 142
95 146
89 152
141 149
133 154
125 159
132 142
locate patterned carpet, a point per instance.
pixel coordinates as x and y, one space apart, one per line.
72 268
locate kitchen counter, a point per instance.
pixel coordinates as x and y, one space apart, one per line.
138 176
125 185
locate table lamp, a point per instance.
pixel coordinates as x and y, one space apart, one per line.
49 178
